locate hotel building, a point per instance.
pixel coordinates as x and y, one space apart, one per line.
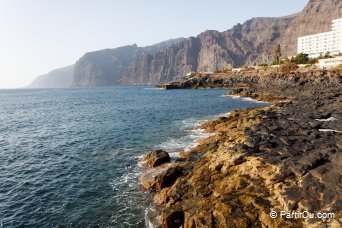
321 43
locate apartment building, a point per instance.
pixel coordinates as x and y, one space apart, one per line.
321 43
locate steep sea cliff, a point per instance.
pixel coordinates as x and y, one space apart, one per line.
249 43
282 158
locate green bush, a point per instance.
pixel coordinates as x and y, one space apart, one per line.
313 61
278 63
301 58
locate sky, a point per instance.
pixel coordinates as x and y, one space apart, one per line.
37 36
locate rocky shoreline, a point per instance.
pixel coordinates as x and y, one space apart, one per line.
284 157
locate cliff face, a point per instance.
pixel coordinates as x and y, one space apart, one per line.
59 78
250 43
256 40
164 65
102 68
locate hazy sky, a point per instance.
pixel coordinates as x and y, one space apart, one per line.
41 35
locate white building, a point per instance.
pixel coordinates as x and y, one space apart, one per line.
321 43
330 62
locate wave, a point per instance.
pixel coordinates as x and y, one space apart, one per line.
127 198
154 88
192 133
245 98
152 217
175 145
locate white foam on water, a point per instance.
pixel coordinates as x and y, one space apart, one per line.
245 98
148 218
140 160
327 120
154 88
125 187
191 123
222 114
176 145
184 143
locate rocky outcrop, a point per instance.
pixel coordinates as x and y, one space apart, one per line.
59 78
155 158
250 78
161 177
245 44
284 157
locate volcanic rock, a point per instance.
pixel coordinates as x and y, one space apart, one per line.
155 158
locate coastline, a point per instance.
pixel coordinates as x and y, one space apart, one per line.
177 148
263 159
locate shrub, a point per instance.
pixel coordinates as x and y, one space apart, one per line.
278 63
277 55
301 58
327 55
313 61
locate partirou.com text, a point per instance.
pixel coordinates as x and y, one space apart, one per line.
301 215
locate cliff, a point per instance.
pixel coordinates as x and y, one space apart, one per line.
59 78
102 68
248 43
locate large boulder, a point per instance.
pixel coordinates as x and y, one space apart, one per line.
155 158
161 177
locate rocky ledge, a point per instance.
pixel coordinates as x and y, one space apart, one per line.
257 77
284 157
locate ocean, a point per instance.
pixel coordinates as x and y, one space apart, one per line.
70 157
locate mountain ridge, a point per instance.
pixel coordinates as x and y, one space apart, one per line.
58 78
249 43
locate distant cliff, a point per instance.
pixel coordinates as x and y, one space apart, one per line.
103 68
59 78
248 43
108 67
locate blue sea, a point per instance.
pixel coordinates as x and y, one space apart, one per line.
70 157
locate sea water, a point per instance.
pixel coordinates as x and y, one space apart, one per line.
70 157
